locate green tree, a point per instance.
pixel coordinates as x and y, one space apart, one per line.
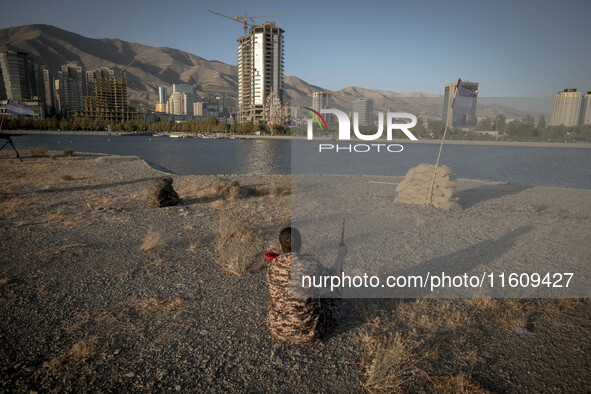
419 130
484 124
542 122
500 123
436 128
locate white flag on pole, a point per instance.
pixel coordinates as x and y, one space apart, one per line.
462 104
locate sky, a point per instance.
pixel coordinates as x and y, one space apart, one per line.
526 48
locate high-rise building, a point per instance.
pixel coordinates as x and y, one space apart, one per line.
260 70
199 109
364 108
185 88
49 92
72 87
109 102
585 116
92 75
23 80
16 75
467 120
321 100
162 95
57 96
565 109
179 103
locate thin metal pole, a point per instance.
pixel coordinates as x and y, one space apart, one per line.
449 116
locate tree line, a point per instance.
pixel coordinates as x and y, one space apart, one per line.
136 125
526 129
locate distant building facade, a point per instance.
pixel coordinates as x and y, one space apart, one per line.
468 120
585 115
364 107
15 76
162 95
179 103
92 75
109 101
49 90
24 81
321 100
185 88
199 109
72 88
565 109
260 70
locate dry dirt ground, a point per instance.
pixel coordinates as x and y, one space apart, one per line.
101 293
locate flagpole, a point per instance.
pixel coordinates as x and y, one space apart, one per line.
449 116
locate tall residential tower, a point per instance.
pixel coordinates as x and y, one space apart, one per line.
260 70
364 107
565 109
585 116
72 88
449 93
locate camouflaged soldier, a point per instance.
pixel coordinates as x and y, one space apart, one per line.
162 194
301 317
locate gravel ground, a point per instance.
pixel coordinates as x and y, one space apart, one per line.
84 308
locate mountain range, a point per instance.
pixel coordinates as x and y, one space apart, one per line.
152 67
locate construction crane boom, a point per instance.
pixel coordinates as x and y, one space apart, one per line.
126 67
247 19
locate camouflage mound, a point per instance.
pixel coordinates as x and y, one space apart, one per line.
162 194
414 189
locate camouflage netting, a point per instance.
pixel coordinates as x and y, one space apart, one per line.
162 194
414 189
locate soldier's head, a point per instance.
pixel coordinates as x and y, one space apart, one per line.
290 240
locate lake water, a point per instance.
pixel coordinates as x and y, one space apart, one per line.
561 167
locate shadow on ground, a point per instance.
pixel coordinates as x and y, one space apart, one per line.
471 197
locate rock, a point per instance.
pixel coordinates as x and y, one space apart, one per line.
162 194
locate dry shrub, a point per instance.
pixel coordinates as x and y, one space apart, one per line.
371 311
457 384
4 282
189 189
82 352
441 337
37 151
157 263
65 178
53 157
227 190
393 365
154 240
253 191
193 247
279 189
68 152
236 244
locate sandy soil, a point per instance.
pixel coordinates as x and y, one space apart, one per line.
101 293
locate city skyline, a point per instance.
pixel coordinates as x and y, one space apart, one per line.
512 50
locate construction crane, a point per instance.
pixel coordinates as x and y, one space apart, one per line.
246 19
126 67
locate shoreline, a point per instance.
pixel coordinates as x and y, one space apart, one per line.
577 145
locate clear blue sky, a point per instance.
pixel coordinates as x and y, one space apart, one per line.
512 48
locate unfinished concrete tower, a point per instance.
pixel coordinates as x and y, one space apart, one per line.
260 70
